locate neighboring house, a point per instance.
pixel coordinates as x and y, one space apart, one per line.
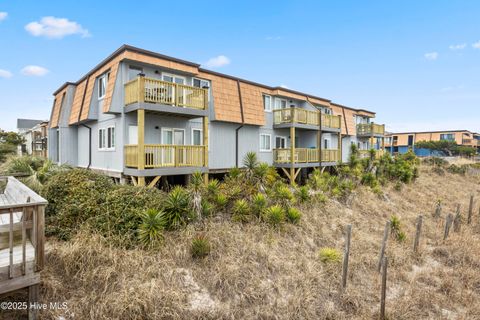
143 115
34 132
402 142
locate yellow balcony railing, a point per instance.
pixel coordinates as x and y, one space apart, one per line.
303 116
159 156
366 153
156 91
305 155
368 129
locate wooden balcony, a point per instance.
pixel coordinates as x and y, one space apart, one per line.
370 129
155 91
366 153
164 156
22 237
305 155
305 117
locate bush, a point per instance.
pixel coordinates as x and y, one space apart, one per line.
293 215
303 194
259 203
329 255
274 215
150 231
461 170
177 208
396 230
200 247
241 211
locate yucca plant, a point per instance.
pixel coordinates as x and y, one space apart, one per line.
293 215
284 195
259 202
241 210
395 229
213 187
329 255
150 230
250 162
261 175
177 207
220 200
200 247
274 215
303 194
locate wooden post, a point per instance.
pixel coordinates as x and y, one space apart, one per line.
384 245
292 153
340 140
40 247
319 138
470 210
32 301
141 144
457 220
438 210
346 255
384 288
418 233
205 148
448 222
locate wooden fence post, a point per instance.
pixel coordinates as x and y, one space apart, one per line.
457 220
384 245
384 288
448 222
438 210
418 233
346 255
470 210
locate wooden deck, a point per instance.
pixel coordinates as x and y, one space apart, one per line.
22 239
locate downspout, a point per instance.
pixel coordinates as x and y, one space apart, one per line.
241 126
89 145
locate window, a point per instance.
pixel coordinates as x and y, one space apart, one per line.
280 103
102 85
200 83
106 138
173 78
447 136
280 142
326 144
327 111
267 103
265 142
197 137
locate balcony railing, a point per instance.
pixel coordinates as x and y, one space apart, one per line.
303 116
305 155
160 156
366 153
156 91
368 129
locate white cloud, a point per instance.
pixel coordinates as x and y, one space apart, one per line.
457 46
55 28
3 15
5 74
217 62
36 71
431 55
476 45
273 38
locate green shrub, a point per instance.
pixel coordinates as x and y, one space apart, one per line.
396 229
150 231
177 208
259 202
283 195
241 210
329 255
220 200
274 215
303 194
461 170
213 187
207 208
293 215
369 179
200 247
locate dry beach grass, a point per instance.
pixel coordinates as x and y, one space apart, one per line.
257 272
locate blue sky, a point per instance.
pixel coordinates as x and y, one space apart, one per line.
416 63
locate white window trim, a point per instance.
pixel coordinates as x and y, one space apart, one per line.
174 76
284 138
173 135
270 138
105 138
101 78
279 104
201 136
271 100
209 85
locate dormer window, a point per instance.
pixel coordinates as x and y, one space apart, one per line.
102 86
